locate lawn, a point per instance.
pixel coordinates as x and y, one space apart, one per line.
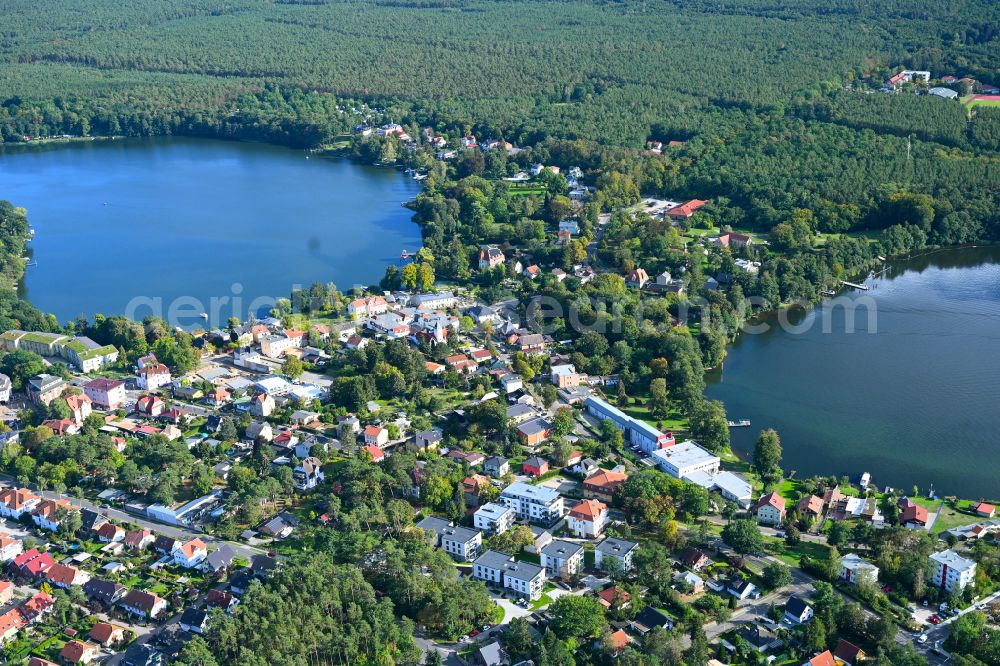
951 518
675 422
789 489
790 554
545 599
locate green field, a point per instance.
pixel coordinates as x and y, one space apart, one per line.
971 102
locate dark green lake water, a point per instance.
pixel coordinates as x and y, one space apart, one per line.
183 220
917 402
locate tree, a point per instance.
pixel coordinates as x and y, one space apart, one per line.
576 616
743 536
776 576
519 640
659 400
69 520
292 367
767 455
563 422
709 425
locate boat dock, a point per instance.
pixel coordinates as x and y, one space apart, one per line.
862 287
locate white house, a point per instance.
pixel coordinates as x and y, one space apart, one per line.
951 571
523 578
308 474
612 548
587 519
191 554
152 377
494 518
854 569
376 436
533 503
107 393
562 559
769 509
460 542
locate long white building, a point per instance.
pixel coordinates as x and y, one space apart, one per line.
640 433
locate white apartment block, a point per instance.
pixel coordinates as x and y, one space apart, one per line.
533 503
951 571
494 518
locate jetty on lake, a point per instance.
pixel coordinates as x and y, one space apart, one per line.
862 287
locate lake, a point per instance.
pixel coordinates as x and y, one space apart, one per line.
917 402
177 222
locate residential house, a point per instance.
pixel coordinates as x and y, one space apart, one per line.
618 549
650 618
78 652
534 432
109 533
376 454
951 571
759 637
854 569
62 426
769 509
848 653
617 642
562 559
588 518
472 486
614 597
262 405
149 405
532 343
511 383
260 431
218 397
602 484
912 515
822 659
490 256
434 526
43 389
219 560
535 466
798 611
742 589
80 405
690 582
139 539
637 277
143 604
494 518
48 513
191 553
106 393
811 506
733 240
10 547
166 545
5 388
694 559
461 543
308 474
496 466
565 376
490 654
32 563
428 440
376 436
65 576
107 634
985 510
194 620
106 592
152 377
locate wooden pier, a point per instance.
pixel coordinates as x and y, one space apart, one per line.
862 287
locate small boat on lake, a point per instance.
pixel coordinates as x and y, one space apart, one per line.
740 423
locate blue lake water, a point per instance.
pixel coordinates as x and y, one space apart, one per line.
186 220
916 402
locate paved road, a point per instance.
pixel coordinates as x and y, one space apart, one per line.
185 534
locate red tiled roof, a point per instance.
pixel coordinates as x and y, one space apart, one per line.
772 498
823 659
588 509
605 480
